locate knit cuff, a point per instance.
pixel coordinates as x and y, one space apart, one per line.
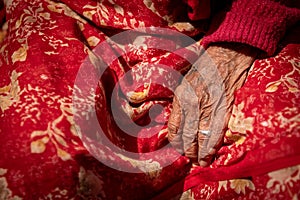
257 23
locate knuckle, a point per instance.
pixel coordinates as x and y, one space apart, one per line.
172 130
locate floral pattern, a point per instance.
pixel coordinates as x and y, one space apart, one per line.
284 179
240 185
238 123
10 93
5 193
260 123
42 155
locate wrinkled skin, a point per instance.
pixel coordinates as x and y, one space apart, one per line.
203 101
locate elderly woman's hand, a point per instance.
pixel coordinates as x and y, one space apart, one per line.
203 101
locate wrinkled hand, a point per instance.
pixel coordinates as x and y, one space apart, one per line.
203 101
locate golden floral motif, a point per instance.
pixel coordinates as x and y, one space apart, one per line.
236 138
150 5
238 122
99 9
35 19
222 184
39 145
20 54
54 134
187 195
288 119
183 26
149 167
57 138
93 41
5 192
240 185
101 13
138 97
10 94
64 9
59 193
287 79
282 179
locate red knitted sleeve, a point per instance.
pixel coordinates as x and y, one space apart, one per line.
258 23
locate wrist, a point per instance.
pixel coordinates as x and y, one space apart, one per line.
232 56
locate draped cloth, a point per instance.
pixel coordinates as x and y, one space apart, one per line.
47 153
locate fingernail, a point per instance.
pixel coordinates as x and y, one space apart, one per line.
203 163
212 151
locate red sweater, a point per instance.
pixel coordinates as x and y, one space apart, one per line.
259 23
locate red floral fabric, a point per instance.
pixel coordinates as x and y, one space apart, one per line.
42 154
261 141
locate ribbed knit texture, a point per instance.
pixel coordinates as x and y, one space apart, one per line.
259 23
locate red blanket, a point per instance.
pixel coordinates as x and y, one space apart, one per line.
49 152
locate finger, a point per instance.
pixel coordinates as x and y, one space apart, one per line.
174 125
204 131
190 106
212 129
189 134
220 123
